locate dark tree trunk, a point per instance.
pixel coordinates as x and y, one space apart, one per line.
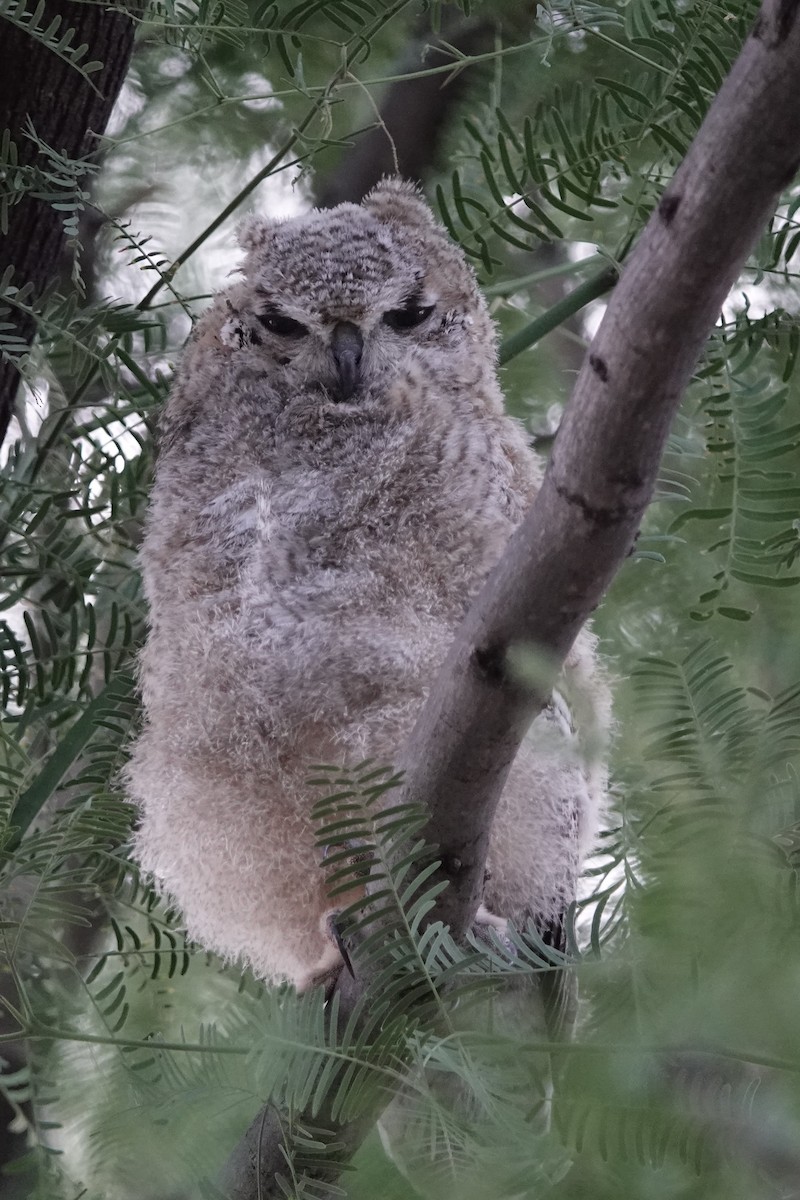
67 111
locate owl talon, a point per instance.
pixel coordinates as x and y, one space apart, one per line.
335 935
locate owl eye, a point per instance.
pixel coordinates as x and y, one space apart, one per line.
407 317
276 322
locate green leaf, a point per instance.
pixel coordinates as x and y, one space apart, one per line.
108 701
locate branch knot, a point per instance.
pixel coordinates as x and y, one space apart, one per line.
490 662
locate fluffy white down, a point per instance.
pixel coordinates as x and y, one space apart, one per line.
306 560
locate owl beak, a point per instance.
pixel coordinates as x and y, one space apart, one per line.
347 345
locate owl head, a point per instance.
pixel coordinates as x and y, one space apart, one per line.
345 299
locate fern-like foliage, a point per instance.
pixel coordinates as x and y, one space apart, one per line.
52 33
372 850
578 158
53 177
710 745
686 875
750 501
286 31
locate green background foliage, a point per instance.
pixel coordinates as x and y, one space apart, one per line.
145 1058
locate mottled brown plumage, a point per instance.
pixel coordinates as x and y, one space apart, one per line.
336 477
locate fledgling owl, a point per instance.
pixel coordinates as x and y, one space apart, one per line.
336 477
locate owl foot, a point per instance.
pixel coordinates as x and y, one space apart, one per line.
325 972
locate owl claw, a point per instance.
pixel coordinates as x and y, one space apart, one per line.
335 935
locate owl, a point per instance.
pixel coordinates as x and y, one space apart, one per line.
336 477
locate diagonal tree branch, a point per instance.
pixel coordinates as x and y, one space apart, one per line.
601 473
603 467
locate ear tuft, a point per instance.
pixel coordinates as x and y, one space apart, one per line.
254 232
398 200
